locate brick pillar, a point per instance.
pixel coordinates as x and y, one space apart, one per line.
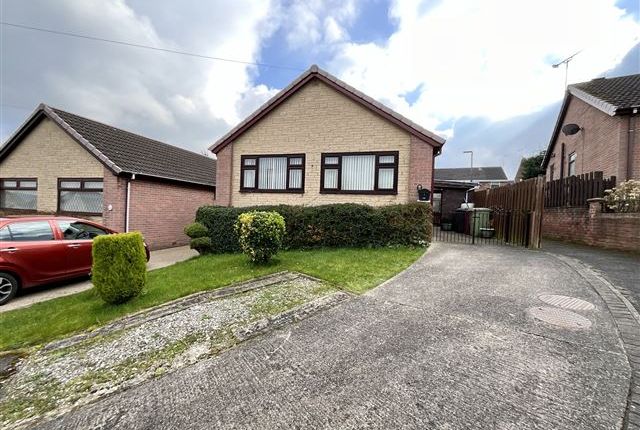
224 176
595 206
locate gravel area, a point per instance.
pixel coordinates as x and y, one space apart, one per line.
53 380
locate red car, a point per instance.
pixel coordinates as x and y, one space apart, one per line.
38 250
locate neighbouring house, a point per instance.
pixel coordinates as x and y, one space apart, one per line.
449 196
321 141
597 130
62 163
484 177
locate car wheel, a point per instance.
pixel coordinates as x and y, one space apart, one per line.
8 287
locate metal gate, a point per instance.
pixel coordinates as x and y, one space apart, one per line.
508 215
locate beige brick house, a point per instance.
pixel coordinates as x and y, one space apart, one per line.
61 163
597 130
321 141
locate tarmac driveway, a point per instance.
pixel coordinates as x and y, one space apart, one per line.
448 344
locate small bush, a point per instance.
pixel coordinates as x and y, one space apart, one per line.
119 270
196 230
201 244
625 197
260 234
335 225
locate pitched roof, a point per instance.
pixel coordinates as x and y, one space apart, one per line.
314 72
468 174
613 96
122 151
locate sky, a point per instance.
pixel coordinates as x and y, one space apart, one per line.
477 73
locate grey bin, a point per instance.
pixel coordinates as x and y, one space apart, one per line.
479 218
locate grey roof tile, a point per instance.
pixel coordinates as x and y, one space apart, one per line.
467 174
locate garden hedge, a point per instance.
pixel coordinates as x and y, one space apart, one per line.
119 270
336 225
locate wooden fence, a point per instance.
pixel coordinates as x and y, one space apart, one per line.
517 210
576 190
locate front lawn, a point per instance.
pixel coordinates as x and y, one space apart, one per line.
355 270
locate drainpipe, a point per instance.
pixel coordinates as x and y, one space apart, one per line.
633 123
128 204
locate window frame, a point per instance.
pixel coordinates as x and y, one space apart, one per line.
82 189
19 188
571 162
378 165
256 169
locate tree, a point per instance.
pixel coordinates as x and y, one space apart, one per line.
532 166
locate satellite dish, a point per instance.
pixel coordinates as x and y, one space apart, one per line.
570 129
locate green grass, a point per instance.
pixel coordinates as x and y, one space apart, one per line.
355 270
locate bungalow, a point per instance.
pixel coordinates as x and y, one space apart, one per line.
62 163
485 177
322 141
597 130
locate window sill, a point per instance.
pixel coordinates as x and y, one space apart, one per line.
365 193
273 191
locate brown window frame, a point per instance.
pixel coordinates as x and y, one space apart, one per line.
18 187
80 190
256 168
570 162
378 166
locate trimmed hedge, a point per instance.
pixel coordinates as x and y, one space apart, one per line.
119 270
260 234
200 240
336 225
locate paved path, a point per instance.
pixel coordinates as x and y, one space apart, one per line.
622 269
158 259
448 344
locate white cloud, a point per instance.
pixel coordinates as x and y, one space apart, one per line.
490 59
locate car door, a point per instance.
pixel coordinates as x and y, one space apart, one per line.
33 250
78 238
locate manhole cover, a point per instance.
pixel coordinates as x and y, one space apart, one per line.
559 317
566 302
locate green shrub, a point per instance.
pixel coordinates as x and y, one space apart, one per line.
119 270
201 244
336 225
260 234
196 230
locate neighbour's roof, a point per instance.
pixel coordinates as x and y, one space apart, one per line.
122 151
469 174
454 184
314 72
613 96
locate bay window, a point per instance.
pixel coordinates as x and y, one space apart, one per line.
360 173
80 195
19 193
272 173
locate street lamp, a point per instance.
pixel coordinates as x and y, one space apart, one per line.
470 171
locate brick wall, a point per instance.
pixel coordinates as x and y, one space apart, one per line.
420 166
114 196
319 119
160 210
607 230
224 173
600 146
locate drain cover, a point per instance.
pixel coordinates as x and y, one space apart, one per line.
566 302
559 317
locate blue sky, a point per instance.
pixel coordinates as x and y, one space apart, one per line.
478 73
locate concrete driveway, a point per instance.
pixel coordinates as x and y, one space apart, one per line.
451 343
158 259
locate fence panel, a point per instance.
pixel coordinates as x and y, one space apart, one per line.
576 190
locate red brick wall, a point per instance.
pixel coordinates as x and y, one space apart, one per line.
160 210
224 166
114 194
606 230
420 166
597 146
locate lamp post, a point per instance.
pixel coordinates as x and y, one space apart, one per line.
471 171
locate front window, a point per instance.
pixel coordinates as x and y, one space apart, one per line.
75 230
80 196
19 194
30 231
272 173
360 173
572 164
